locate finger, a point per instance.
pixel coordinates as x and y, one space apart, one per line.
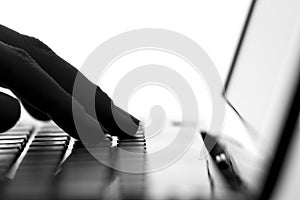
111 116
10 111
34 112
20 73
65 75
124 113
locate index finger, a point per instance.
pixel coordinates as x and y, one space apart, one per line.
20 73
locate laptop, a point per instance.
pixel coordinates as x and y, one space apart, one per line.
41 161
262 90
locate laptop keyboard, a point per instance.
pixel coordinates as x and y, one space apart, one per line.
46 163
12 144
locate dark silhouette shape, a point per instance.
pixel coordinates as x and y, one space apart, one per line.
44 83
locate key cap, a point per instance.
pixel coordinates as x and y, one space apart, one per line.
33 159
11 137
138 136
54 129
42 139
140 132
47 134
16 133
132 140
51 128
15 141
7 157
51 131
49 143
10 146
44 153
9 151
46 148
6 160
132 144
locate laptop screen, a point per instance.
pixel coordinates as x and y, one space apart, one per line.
265 70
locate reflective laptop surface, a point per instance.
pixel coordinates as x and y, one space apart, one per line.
45 163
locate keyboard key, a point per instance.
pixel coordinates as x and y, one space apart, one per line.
140 132
49 143
51 128
9 151
6 160
132 140
42 139
138 136
44 153
10 146
7 157
47 134
5 165
132 144
16 133
14 141
38 159
11 137
46 148
51 131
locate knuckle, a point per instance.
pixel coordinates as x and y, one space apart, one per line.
4 58
21 53
10 59
38 43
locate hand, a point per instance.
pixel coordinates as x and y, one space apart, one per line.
44 82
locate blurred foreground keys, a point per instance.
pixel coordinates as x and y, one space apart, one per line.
46 163
11 144
36 163
82 176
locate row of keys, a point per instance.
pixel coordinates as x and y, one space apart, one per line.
12 143
99 178
45 152
36 171
82 176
